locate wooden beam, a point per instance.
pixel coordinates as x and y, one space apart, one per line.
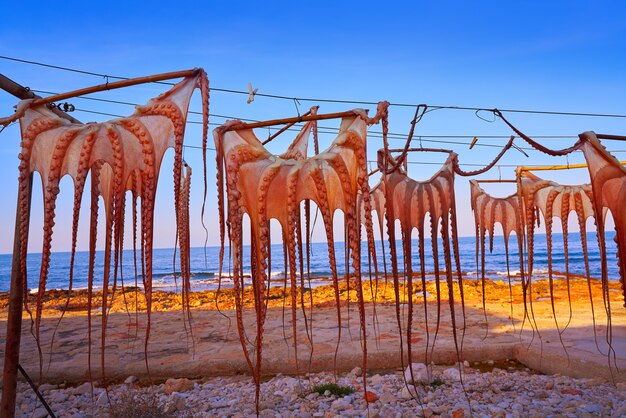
23 93
115 85
284 121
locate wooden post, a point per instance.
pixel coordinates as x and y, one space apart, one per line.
14 321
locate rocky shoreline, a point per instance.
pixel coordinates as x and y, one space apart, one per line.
505 389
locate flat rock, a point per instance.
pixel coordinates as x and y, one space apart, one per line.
177 385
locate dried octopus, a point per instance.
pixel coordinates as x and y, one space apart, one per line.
332 179
409 201
608 185
122 155
489 211
555 200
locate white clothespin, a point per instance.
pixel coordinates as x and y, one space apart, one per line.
252 93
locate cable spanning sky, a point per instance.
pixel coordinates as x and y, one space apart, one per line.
551 56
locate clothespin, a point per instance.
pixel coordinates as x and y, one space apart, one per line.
473 142
252 93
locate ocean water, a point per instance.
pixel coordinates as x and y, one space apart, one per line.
204 263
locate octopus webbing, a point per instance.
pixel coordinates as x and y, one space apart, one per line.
265 187
554 200
488 211
608 184
409 201
120 155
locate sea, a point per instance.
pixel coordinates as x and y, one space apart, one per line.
205 269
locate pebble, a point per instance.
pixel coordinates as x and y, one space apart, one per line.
507 393
131 380
177 385
420 374
452 374
46 387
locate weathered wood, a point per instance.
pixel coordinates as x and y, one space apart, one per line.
23 93
14 320
115 85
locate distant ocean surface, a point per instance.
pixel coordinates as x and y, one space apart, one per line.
205 269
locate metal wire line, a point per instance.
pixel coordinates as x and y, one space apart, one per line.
329 128
309 99
370 134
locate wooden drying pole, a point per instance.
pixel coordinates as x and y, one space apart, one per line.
16 294
115 85
23 93
294 120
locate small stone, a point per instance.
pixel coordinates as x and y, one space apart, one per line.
490 362
83 389
458 413
357 371
452 374
57 397
339 405
327 393
377 379
130 380
39 413
427 413
421 373
621 385
102 399
370 396
408 393
46 387
177 385
549 386
387 398
571 392
466 363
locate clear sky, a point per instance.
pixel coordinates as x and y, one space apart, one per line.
564 56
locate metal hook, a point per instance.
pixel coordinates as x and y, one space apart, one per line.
420 139
296 103
106 85
567 160
499 173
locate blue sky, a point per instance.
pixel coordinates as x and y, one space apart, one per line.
565 56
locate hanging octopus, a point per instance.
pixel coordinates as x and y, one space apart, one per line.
265 187
488 211
121 155
409 201
608 183
552 199
608 177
